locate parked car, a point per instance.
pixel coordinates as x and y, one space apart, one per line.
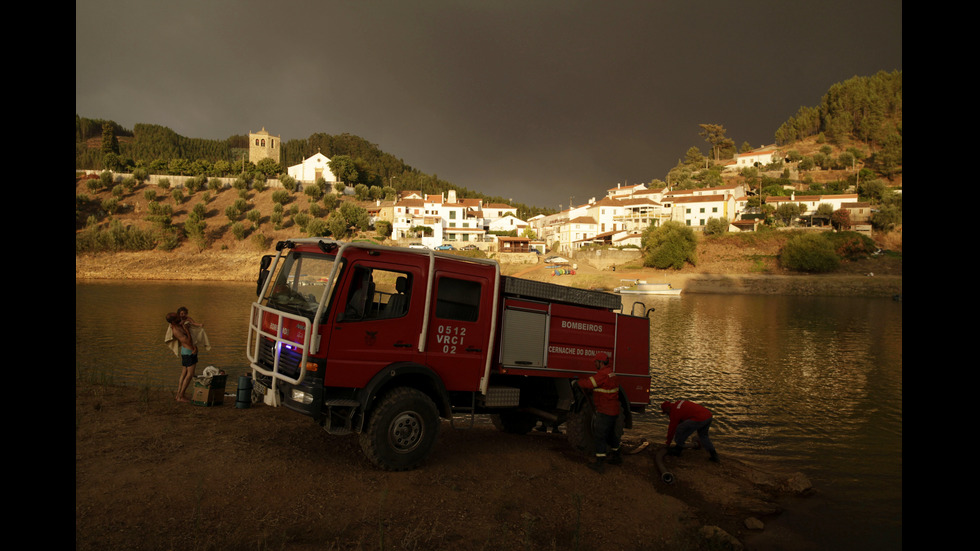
416 246
554 259
469 248
445 247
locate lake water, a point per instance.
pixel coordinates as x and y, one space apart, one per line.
813 381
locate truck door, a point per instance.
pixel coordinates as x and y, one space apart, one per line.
460 315
376 322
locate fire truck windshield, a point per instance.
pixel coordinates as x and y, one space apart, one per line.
300 283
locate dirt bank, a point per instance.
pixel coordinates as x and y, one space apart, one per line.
873 277
151 473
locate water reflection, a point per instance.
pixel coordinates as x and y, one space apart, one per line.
119 328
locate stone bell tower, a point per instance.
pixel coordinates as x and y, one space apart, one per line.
262 145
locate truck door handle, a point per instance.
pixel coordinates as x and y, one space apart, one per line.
403 345
471 349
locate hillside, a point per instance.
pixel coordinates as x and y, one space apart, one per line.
745 264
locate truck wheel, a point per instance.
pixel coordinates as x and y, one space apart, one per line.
401 430
579 428
514 422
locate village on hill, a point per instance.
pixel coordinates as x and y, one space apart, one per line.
617 219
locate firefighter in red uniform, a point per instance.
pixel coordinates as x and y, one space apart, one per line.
686 417
605 398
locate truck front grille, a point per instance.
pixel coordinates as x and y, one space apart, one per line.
289 359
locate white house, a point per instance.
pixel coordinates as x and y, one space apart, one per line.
696 210
810 203
576 232
311 169
508 223
763 157
492 211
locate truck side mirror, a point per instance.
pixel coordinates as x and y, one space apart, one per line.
263 273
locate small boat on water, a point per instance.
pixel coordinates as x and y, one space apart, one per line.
640 287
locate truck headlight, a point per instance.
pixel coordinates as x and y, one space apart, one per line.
302 397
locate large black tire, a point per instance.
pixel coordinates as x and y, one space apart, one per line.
401 430
578 428
514 422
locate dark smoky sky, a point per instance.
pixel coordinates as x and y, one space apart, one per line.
544 102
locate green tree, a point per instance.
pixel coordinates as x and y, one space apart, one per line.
716 226
361 192
354 215
693 157
289 183
671 245
337 225
344 168
824 212
841 219
887 217
110 143
268 167
714 134
788 212
383 227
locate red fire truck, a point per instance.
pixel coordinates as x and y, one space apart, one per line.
384 341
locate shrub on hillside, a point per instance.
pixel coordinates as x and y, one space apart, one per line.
809 252
851 245
168 238
110 205
115 237
317 227
716 226
280 196
238 230
670 245
301 219
259 241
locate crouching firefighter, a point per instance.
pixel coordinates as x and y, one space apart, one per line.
605 398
